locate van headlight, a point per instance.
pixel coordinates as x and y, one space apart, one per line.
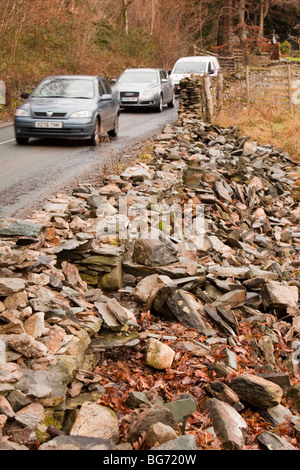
21 112
82 114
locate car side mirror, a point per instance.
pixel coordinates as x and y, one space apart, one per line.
113 80
164 80
106 97
169 72
25 95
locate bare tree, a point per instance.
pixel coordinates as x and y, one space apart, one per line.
124 14
241 28
264 9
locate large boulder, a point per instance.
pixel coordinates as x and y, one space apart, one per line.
154 252
229 425
96 421
189 310
11 285
159 355
257 391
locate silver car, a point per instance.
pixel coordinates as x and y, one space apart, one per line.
145 87
69 107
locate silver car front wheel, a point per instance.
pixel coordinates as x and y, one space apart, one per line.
171 103
160 105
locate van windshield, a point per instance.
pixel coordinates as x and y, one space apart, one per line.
190 67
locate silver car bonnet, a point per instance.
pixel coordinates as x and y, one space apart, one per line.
140 87
67 105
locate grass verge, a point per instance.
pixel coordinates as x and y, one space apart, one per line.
265 125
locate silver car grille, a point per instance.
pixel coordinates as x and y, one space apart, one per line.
129 94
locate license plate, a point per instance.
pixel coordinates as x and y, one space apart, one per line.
132 100
49 124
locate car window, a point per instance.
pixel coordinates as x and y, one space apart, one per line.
101 88
65 88
163 75
210 67
106 87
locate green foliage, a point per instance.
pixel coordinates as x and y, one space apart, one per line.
285 48
137 47
105 36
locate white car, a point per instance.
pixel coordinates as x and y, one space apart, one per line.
197 65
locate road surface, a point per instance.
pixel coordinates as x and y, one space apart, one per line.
31 173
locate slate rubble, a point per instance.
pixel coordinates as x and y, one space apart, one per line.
75 277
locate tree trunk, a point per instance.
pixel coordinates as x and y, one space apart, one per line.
264 9
152 16
242 33
125 16
125 6
200 24
230 24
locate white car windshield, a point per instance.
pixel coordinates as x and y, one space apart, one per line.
139 77
189 67
65 88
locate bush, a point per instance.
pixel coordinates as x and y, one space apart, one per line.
285 48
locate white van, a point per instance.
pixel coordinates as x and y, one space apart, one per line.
197 65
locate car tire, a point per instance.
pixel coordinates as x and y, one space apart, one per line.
95 137
160 105
22 140
171 103
115 130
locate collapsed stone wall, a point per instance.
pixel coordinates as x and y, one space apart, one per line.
76 277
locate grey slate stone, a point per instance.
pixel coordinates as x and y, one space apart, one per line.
182 408
186 442
78 443
271 441
20 228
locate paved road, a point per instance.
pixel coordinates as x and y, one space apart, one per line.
31 173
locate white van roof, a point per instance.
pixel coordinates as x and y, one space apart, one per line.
199 58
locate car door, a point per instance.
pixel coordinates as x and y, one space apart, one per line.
166 86
104 106
113 102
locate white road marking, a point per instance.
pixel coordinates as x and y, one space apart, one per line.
7 141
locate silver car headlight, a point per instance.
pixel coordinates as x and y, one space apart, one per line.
22 112
82 114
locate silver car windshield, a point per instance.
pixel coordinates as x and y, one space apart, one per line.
190 67
65 88
139 77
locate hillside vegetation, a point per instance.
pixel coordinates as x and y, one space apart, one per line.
106 36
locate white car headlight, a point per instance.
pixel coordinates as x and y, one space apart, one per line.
21 112
149 95
82 114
